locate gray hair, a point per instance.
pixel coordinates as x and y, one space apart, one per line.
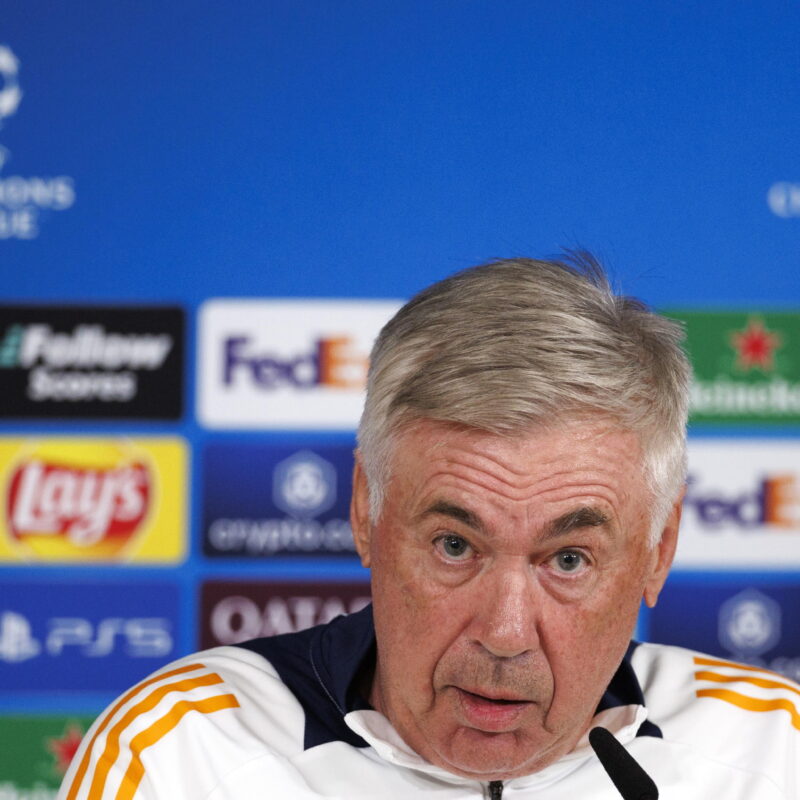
520 344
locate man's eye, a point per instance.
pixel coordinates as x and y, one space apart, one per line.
453 546
570 560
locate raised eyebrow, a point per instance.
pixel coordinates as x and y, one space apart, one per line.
458 513
583 517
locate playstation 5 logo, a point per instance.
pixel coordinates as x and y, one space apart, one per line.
304 485
749 624
16 641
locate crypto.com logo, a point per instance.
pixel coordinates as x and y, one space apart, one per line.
749 624
304 485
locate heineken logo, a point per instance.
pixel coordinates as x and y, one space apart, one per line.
746 365
64 746
755 346
37 752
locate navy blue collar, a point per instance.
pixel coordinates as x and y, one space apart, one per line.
325 666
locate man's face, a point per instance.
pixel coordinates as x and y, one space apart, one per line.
507 574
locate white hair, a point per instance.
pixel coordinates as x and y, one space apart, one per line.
516 345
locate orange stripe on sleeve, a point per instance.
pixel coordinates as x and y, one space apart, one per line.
753 703
714 662
84 765
112 748
764 683
148 737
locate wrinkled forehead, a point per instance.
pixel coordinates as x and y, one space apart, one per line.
595 442
421 433
586 472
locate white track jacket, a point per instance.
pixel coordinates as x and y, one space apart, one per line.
280 718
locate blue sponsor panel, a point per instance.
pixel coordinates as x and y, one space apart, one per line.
84 637
264 500
748 621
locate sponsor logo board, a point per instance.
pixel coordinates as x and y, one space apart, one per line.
742 505
93 500
746 366
24 198
36 753
286 364
91 362
233 612
261 500
84 637
756 624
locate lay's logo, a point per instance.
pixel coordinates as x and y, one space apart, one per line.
93 500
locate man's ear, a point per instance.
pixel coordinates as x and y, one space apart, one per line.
663 554
359 512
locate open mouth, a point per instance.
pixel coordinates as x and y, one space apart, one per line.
500 701
491 714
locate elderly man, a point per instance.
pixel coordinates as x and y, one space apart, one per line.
516 494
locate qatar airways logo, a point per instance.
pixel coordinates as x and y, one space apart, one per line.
742 504
296 364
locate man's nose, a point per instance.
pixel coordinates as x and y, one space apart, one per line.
507 615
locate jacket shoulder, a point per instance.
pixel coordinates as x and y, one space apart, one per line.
722 710
174 733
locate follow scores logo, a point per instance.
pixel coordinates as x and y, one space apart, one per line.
286 364
742 504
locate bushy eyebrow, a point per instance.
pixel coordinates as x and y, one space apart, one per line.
583 517
457 513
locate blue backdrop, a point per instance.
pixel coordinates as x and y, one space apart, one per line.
169 153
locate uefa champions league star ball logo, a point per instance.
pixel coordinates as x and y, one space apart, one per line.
22 198
749 624
304 485
10 93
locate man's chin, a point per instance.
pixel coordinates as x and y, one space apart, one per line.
488 756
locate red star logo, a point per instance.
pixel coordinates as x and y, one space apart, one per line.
755 346
65 747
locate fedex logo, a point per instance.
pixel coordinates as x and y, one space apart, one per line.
333 362
742 504
292 364
773 500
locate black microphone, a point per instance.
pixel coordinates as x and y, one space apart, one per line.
632 782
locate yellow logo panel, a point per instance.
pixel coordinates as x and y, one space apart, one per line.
93 500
